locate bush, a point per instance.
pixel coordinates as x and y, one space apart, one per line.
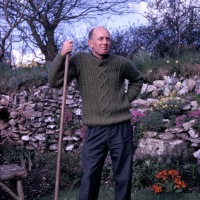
144 172
195 115
14 153
41 179
169 106
14 79
152 122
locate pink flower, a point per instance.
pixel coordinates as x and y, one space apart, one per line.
136 116
198 91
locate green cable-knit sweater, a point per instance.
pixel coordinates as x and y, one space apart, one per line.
101 83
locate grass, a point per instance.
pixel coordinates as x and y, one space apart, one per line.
152 68
108 194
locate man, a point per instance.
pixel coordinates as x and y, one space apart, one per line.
100 77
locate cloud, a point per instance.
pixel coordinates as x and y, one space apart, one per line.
140 7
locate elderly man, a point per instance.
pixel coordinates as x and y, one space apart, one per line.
106 110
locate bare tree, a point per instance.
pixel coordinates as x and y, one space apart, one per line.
169 20
11 16
53 17
9 20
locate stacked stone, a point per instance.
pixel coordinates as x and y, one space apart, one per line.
34 119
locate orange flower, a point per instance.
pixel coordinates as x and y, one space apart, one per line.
167 177
183 185
157 188
162 175
173 172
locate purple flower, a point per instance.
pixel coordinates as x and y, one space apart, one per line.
136 116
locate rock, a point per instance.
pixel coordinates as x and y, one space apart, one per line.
160 150
197 154
150 134
183 91
151 88
193 134
189 83
159 83
189 124
53 147
14 114
29 106
40 137
12 122
69 147
166 136
50 119
25 138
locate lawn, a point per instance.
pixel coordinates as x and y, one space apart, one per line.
106 194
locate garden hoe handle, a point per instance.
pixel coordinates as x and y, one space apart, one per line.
61 127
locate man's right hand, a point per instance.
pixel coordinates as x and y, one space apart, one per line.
67 47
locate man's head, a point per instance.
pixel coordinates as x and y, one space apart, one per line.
99 41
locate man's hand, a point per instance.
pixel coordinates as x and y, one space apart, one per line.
67 47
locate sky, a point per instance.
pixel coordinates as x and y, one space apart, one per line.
115 22
112 23
136 17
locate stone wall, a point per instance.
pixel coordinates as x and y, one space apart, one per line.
34 117
34 120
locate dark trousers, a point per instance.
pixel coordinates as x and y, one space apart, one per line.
118 139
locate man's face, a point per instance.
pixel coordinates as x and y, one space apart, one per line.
100 42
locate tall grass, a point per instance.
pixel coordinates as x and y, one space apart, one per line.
187 64
14 79
152 68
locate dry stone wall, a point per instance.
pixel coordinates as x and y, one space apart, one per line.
34 117
34 120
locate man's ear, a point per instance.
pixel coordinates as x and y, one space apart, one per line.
90 43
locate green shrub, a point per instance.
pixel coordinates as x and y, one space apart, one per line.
152 122
70 170
14 153
144 172
14 79
197 124
169 106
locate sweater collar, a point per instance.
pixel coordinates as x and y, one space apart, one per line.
101 62
104 57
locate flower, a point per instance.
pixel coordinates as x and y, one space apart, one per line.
136 116
168 181
198 92
157 188
185 118
72 121
169 106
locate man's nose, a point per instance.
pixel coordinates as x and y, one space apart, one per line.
105 41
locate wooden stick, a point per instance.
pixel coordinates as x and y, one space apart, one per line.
7 189
61 128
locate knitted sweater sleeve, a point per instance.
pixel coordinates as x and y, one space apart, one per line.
56 72
135 79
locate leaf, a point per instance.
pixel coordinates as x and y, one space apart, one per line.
178 190
169 187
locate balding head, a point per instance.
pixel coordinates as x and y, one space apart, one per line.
97 29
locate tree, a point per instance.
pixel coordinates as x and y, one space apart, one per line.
9 20
46 20
171 22
11 16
